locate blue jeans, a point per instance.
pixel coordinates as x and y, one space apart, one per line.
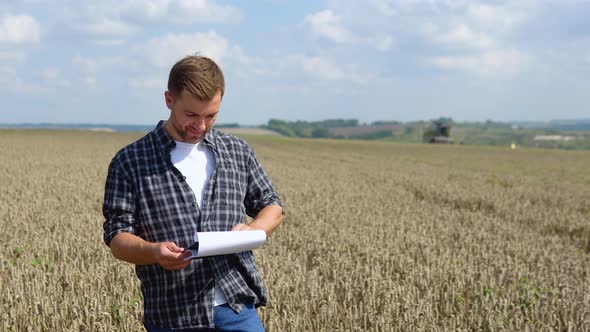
225 319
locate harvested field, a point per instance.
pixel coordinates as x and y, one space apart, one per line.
377 237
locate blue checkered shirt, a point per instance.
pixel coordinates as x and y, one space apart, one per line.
147 196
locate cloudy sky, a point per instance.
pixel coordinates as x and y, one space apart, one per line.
107 61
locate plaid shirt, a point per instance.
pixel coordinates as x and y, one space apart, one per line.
147 196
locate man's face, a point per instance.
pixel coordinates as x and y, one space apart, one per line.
190 118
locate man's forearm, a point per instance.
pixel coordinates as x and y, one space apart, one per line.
268 219
132 249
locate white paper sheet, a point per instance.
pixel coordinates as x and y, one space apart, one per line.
223 243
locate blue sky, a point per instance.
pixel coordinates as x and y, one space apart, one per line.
107 61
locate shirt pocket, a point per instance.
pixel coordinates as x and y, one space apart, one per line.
165 212
231 184
229 196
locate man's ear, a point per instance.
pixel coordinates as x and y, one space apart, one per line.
169 99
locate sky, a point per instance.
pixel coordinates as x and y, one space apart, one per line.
64 61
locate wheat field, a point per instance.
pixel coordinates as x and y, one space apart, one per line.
377 237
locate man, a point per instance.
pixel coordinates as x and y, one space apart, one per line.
183 177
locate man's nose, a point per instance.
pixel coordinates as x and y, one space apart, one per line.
200 123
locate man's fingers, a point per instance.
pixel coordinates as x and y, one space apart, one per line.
180 257
174 248
176 265
241 227
174 256
168 254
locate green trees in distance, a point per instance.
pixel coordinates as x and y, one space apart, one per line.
350 128
317 129
475 133
228 125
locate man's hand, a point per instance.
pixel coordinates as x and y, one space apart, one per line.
135 250
242 227
268 219
170 256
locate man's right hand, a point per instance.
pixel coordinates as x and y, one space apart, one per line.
135 250
170 256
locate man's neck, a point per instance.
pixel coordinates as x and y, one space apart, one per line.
170 130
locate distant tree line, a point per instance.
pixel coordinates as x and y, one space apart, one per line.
228 125
316 129
351 128
438 131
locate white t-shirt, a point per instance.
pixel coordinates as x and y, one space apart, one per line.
196 162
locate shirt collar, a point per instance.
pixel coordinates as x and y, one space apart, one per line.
210 139
166 142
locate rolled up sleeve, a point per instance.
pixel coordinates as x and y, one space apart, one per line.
261 192
119 203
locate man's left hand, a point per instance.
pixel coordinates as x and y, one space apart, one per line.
243 227
267 220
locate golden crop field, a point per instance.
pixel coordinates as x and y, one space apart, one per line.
377 237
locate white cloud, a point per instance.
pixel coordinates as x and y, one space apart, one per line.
327 25
386 7
89 68
493 63
85 65
19 29
25 88
53 78
50 73
112 22
107 27
95 29
10 81
89 80
326 69
9 61
7 74
463 35
63 83
495 18
160 11
246 66
178 11
148 83
382 43
165 51
474 25
121 61
480 34
321 67
109 42
12 57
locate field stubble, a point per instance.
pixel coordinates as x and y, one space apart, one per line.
377 237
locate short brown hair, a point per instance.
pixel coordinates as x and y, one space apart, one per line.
198 75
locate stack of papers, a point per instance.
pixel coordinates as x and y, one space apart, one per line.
223 243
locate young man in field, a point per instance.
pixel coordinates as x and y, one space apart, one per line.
183 177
